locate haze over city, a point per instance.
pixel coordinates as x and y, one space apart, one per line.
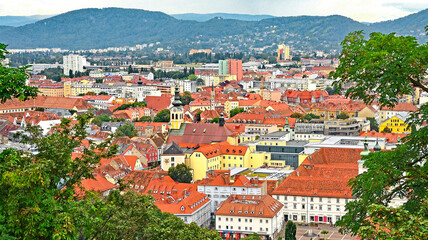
360 10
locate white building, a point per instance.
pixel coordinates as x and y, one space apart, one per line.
218 187
74 62
188 85
317 191
172 156
242 215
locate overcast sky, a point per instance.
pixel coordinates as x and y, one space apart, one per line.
360 10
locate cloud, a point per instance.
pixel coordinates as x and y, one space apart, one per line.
361 10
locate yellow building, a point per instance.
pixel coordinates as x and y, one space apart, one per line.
283 52
51 90
397 124
222 78
177 112
216 157
229 105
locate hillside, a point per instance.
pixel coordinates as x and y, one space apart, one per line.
205 17
17 21
90 28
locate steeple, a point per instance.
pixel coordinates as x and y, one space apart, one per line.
212 96
377 147
221 120
366 150
177 101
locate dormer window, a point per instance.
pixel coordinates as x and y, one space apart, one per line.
182 208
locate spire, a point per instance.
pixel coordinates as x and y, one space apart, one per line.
221 120
366 151
177 101
377 147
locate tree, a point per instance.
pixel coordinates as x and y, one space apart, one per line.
215 120
180 173
387 130
186 98
12 81
126 129
253 236
130 105
145 119
192 77
330 91
42 197
342 115
102 93
373 124
70 73
235 111
290 231
383 67
324 232
162 116
310 116
296 115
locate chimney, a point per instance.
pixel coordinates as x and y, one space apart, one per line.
298 173
221 120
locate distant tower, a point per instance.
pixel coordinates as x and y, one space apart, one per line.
212 97
283 52
176 113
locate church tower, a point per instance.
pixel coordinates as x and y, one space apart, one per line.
212 97
176 112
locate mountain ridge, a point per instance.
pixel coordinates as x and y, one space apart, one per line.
89 28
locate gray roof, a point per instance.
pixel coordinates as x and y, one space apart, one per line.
172 149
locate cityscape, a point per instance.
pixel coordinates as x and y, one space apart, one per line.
249 127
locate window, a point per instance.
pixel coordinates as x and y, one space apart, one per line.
231 227
303 206
172 159
303 199
328 207
312 199
239 228
261 229
261 221
338 208
267 221
227 219
251 228
329 200
219 226
303 218
267 229
295 198
246 220
219 218
251 220
337 200
246 228
346 201
312 207
312 218
227 227
295 206
320 199
320 208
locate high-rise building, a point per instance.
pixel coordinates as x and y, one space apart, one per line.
283 52
223 67
74 62
231 67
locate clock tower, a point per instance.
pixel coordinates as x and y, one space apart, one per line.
176 113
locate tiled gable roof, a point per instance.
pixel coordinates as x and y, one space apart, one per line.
250 206
325 173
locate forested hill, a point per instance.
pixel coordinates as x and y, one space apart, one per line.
109 27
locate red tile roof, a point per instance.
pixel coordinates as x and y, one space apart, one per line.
250 206
325 173
158 103
389 137
47 102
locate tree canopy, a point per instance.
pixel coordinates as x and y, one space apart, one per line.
381 68
12 81
290 231
342 116
180 173
42 197
235 111
162 116
126 129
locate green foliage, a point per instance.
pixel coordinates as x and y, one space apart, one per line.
387 130
310 116
162 116
388 66
145 119
102 93
215 120
373 124
100 119
253 236
290 231
342 116
192 77
53 73
296 115
330 91
235 111
186 98
393 66
130 105
12 81
126 129
42 198
180 173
